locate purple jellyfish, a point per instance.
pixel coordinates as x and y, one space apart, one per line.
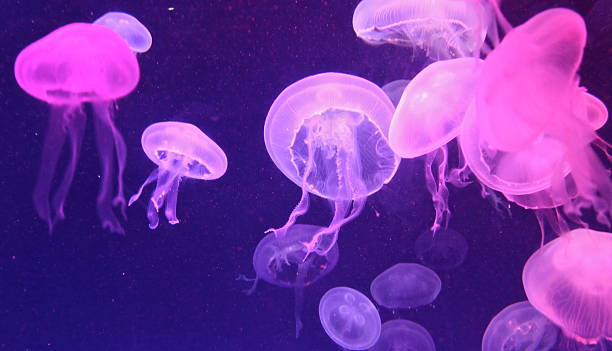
179 150
444 250
395 89
405 285
402 334
328 134
129 28
76 64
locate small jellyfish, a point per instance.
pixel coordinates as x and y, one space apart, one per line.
349 318
569 280
179 150
129 28
405 285
520 327
394 90
328 134
284 261
76 64
401 334
444 250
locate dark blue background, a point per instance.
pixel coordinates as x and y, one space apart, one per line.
219 65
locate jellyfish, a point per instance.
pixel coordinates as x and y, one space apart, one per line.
405 285
444 250
349 318
283 261
179 150
394 90
129 28
76 64
402 334
569 280
328 134
520 327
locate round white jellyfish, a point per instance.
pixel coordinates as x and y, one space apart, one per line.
405 285
138 37
401 334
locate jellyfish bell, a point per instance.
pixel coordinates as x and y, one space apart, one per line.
569 280
129 28
444 250
394 90
405 285
180 150
402 334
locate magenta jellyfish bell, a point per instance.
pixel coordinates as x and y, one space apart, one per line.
179 150
76 64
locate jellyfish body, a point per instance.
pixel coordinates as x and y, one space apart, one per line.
349 318
569 280
395 89
129 28
401 334
444 250
76 64
328 134
520 327
179 150
405 285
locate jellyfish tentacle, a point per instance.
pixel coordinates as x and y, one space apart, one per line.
121 154
152 215
165 182
300 283
437 187
171 200
250 290
152 177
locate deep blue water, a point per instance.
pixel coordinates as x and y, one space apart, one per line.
220 65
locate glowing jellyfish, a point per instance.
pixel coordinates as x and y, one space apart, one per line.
328 134
444 250
401 334
520 327
569 280
405 285
129 28
283 261
349 318
179 150
76 64
442 28
394 90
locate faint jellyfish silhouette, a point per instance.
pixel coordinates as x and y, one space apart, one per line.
444 250
394 90
520 327
569 280
129 28
401 334
76 64
349 318
179 150
327 133
405 285
283 261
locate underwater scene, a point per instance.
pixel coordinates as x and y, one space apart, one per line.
279 175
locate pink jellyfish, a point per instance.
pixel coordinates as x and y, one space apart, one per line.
75 64
328 134
569 280
179 150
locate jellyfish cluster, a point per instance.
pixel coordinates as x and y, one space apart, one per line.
508 100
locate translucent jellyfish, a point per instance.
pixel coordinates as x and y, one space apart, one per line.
328 134
394 90
284 262
405 285
179 150
76 64
349 318
444 250
129 28
520 327
401 334
442 28
569 280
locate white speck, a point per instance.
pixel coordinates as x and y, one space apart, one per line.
170 8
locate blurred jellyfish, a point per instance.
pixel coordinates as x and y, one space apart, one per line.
520 327
569 280
129 28
179 150
76 64
349 318
405 285
401 334
394 90
444 250
328 134
284 262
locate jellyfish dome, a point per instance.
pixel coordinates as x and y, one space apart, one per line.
444 250
328 134
394 90
401 334
569 280
179 150
405 285
129 28
520 327
349 318
76 64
